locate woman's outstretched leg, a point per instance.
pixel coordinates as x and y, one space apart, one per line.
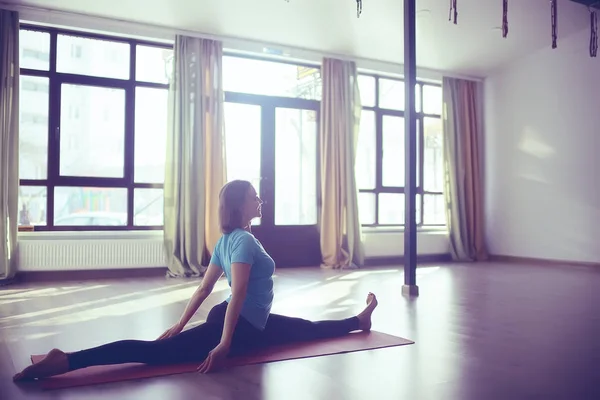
281 329
192 345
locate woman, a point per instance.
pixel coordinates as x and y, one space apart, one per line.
241 323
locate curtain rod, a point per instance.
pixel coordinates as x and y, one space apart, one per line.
166 34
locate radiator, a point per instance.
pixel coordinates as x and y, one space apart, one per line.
89 254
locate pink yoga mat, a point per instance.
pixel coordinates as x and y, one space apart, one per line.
115 373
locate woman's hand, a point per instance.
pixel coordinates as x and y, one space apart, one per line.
215 359
172 331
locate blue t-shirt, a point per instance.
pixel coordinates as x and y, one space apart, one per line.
241 246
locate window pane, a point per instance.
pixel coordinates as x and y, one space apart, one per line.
34 50
92 131
391 209
419 206
434 209
243 143
432 99
366 85
295 167
270 78
32 205
151 108
33 127
433 167
418 127
84 206
93 57
366 152
152 64
366 208
392 173
391 95
393 164
148 207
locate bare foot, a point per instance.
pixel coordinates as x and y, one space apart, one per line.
55 363
364 317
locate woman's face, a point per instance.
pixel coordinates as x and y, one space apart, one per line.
252 206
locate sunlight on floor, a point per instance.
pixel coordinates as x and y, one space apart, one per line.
7 302
123 308
423 271
297 289
92 303
325 294
33 336
21 294
362 274
350 302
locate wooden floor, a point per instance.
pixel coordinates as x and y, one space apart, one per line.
482 331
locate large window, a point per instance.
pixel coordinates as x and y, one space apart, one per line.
93 123
380 163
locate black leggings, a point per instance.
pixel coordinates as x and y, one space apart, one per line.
194 344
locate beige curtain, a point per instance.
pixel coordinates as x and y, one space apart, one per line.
464 175
9 141
341 242
195 162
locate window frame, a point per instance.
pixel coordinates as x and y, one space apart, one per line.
55 81
379 113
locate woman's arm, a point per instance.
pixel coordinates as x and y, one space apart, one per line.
212 275
240 274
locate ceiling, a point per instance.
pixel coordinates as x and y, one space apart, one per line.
472 47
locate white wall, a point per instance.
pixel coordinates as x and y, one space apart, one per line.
542 152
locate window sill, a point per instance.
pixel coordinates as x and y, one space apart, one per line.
430 230
90 235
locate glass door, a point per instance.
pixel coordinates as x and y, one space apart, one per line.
295 167
243 143
273 143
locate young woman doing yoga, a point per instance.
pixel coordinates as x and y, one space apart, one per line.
240 324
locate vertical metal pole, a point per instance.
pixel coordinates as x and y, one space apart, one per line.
410 150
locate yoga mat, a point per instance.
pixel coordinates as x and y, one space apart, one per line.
116 373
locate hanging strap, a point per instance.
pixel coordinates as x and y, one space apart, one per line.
594 33
504 18
453 9
554 23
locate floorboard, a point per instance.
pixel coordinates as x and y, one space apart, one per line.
482 331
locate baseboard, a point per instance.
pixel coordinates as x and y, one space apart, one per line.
540 261
83 275
396 260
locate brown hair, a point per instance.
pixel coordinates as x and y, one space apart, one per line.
231 200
